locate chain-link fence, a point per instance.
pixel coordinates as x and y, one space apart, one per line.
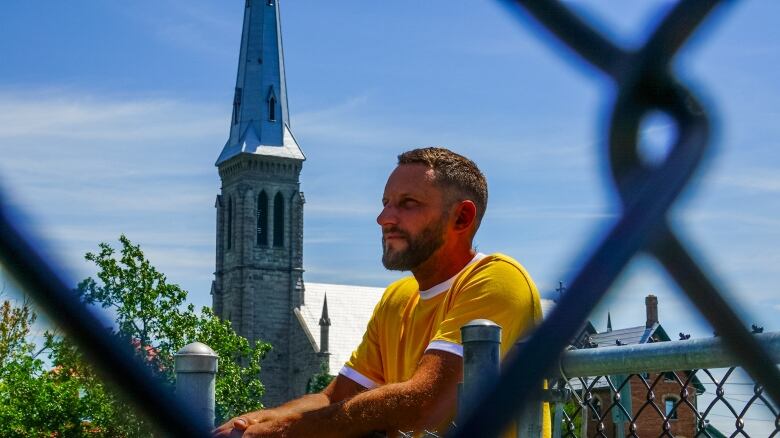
701 403
687 388
673 389
644 83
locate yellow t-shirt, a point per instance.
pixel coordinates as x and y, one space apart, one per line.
407 322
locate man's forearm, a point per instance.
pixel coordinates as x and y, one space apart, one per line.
344 409
309 402
390 408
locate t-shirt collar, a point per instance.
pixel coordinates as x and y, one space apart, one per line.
444 285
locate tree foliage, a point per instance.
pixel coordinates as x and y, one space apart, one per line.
320 380
64 395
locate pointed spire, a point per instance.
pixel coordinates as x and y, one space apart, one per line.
325 328
325 319
609 322
260 122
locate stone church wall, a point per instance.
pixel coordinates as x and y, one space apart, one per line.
306 360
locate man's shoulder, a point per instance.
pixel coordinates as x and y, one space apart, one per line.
399 290
498 267
499 261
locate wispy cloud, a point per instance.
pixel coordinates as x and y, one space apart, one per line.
348 123
752 180
70 115
565 213
730 217
340 208
89 168
197 26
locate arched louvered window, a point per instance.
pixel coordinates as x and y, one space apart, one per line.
278 220
262 219
272 109
230 224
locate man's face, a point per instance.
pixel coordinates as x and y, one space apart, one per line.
413 219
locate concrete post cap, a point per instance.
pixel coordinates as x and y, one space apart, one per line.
480 330
196 357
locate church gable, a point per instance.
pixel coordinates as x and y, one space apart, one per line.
349 309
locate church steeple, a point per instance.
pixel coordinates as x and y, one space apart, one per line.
258 280
260 122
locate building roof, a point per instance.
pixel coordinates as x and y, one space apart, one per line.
626 336
261 121
250 143
349 309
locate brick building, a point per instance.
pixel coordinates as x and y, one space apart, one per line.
674 405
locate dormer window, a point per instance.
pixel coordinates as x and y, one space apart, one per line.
272 109
271 99
236 104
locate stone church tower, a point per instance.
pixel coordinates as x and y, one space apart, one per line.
258 278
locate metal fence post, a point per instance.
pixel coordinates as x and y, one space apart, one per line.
196 371
481 340
529 421
558 419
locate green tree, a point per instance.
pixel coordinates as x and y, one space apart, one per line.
31 400
67 398
319 381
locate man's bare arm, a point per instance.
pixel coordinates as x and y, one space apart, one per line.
425 401
341 388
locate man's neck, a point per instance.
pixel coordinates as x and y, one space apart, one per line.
442 266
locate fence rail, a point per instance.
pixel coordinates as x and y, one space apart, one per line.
644 82
632 390
660 356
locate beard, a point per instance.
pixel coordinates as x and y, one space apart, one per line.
419 248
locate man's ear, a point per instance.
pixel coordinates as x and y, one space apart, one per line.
465 215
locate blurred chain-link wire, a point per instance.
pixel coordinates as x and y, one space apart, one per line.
644 82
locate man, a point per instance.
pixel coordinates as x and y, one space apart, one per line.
404 374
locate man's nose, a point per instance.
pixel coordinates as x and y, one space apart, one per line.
387 216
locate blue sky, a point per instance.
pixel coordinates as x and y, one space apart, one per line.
112 115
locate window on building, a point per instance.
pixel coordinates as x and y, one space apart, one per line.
278 220
670 377
669 410
262 219
272 109
595 413
236 104
230 224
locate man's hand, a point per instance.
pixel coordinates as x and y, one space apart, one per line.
236 426
277 421
278 427
426 401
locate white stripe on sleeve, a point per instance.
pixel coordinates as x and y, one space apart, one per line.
357 377
451 347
